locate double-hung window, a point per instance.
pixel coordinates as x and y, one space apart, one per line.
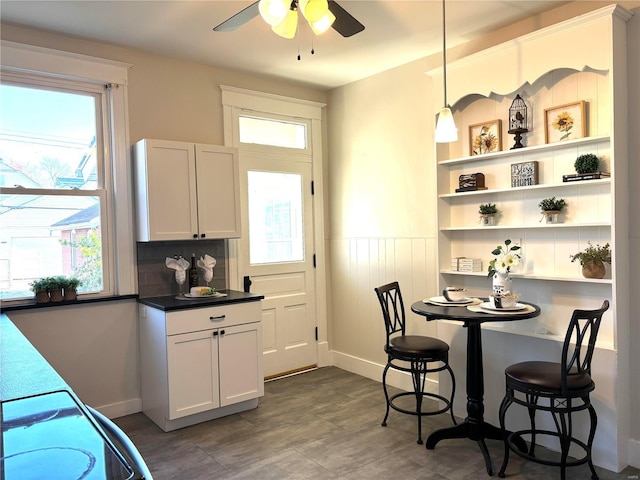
58 214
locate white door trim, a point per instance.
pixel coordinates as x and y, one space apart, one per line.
236 101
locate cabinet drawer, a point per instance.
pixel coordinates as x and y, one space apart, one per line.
195 319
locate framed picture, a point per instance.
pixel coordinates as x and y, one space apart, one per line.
524 174
565 122
485 137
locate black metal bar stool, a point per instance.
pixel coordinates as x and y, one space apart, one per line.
417 352
564 387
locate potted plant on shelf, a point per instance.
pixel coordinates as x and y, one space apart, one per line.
587 163
487 213
551 208
70 288
40 288
592 260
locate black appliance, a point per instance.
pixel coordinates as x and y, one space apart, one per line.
51 436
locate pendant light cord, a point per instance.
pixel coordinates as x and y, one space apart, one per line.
444 53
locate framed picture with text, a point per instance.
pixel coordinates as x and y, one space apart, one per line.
565 122
485 137
524 174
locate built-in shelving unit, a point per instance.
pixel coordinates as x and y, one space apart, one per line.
590 215
597 210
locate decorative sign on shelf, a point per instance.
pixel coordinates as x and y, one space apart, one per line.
471 182
524 174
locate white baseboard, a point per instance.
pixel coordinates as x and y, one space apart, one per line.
372 370
120 409
634 453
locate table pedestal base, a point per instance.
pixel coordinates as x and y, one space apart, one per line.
477 432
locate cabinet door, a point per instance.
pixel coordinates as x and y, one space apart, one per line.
218 181
166 190
241 376
193 373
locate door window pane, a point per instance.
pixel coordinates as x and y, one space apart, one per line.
275 217
265 131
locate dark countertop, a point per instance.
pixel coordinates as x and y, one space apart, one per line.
170 302
25 372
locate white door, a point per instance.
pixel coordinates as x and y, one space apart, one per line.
276 256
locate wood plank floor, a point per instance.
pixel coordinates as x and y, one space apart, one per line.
323 424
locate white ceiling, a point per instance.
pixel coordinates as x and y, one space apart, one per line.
396 32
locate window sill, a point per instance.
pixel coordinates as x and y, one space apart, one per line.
31 304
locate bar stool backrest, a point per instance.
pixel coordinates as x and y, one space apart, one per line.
392 306
577 356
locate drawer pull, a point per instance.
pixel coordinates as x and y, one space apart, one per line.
220 317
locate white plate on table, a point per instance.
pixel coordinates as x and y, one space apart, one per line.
443 302
515 308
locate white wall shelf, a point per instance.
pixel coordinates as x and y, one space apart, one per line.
518 152
533 277
528 226
554 186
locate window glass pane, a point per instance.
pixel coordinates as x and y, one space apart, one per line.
47 138
51 224
265 131
275 217
62 237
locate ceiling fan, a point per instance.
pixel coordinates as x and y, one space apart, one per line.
345 24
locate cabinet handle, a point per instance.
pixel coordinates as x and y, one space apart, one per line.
222 332
215 333
203 235
220 317
195 235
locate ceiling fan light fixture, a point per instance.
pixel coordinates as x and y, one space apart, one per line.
288 26
273 11
446 130
323 24
314 10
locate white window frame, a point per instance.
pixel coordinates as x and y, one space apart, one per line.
27 60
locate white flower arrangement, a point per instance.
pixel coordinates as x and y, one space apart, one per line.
505 258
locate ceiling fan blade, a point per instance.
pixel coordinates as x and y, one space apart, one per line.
345 24
239 19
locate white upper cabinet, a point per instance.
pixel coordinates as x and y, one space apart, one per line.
186 191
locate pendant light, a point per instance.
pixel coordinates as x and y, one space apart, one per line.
446 130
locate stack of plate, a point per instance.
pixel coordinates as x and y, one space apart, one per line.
443 302
515 308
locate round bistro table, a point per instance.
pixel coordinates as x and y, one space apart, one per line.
474 427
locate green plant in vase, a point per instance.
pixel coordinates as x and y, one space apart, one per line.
551 208
70 287
40 288
592 260
487 212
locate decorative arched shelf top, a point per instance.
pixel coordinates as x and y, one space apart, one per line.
573 44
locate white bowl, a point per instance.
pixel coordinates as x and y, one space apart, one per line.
508 301
454 294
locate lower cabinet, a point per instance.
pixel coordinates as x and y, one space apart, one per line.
201 363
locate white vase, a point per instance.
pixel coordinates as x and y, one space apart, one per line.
502 283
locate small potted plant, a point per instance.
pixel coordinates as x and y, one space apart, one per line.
487 213
40 288
56 287
587 163
70 288
592 260
551 208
